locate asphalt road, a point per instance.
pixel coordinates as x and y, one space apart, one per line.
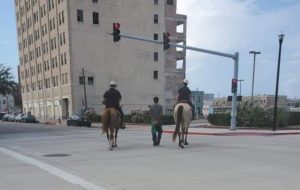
35 156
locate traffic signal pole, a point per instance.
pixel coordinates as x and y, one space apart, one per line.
235 57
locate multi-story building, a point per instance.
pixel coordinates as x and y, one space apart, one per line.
197 99
7 103
64 44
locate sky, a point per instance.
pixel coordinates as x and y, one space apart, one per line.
241 26
227 26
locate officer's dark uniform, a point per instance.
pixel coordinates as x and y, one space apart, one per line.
112 99
184 95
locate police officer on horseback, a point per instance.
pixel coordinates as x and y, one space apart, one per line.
184 95
112 98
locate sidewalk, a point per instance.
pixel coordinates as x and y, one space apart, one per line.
201 128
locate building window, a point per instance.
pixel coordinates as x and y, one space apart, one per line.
155 19
95 1
81 80
79 15
155 74
155 56
155 2
95 18
155 36
170 2
90 80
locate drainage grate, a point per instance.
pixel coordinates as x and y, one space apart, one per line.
56 155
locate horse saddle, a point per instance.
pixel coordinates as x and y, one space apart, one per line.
183 101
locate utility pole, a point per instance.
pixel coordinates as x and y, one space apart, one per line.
253 73
240 81
84 89
280 38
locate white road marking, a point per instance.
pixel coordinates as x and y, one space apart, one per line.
53 170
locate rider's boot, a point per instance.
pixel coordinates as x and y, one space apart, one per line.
122 126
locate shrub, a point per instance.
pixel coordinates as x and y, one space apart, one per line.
294 118
253 116
168 120
282 117
219 119
94 117
127 118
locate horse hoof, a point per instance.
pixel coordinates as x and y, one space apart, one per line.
186 143
111 148
116 146
182 146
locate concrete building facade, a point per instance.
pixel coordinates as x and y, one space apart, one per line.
64 44
7 103
198 100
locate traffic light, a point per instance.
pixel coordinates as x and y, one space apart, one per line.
239 98
116 32
234 83
229 98
166 40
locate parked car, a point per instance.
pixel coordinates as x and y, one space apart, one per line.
11 117
19 117
28 119
5 117
77 120
2 114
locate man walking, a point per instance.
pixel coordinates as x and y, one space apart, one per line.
156 112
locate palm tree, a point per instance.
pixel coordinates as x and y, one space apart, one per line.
7 85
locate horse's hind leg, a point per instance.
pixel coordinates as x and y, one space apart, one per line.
185 140
107 134
180 137
111 139
116 135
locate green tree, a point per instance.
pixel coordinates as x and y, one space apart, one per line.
7 84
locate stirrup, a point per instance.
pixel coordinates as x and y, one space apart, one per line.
122 126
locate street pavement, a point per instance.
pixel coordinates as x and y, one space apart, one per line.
37 156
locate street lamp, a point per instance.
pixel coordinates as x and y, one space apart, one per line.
280 38
240 81
253 73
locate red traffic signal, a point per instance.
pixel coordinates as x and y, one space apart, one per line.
166 40
234 83
116 32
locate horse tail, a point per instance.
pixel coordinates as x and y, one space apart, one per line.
106 120
178 121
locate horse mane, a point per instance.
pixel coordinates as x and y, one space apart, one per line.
178 121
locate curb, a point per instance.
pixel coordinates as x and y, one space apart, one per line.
238 133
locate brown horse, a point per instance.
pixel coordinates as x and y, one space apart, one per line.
111 121
182 117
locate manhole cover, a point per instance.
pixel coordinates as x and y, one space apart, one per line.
56 155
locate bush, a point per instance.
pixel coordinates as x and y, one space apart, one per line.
253 116
94 117
294 118
168 120
282 117
219 119
127 118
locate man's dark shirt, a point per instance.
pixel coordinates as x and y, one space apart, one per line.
184 94
112 97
